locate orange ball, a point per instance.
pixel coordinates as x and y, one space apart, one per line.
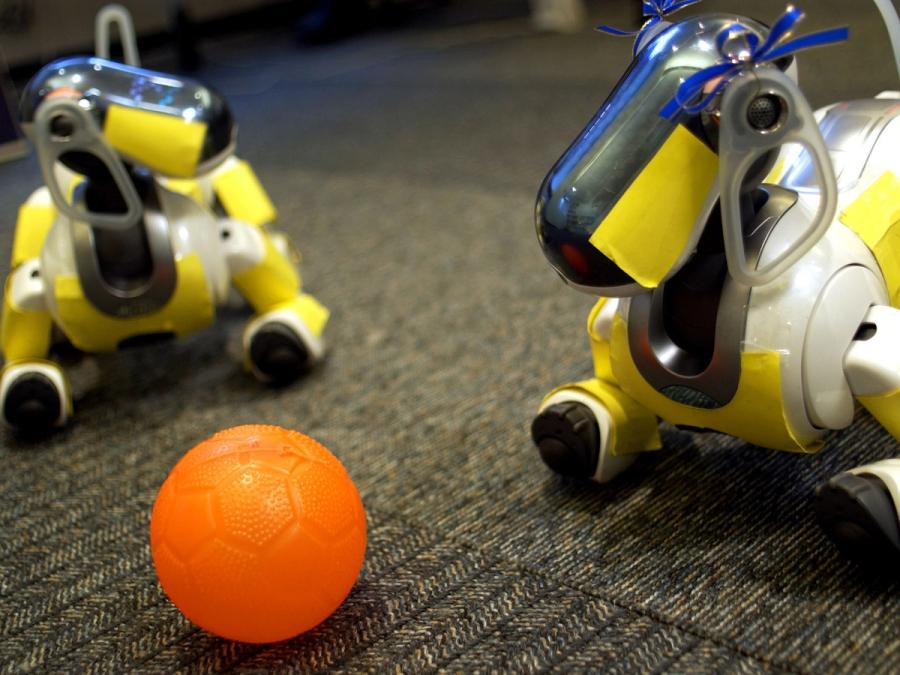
258 534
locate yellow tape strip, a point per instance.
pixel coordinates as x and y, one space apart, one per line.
309 310
243 196
164 143
649 227
190 309
885 409
776 173
24 334
599 346
874 216
755 414
271 282
32 226
188 187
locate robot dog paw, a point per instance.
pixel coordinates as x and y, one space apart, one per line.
277 354
34 397
280 347
858 514
568 438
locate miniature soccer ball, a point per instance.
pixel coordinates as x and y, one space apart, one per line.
258 534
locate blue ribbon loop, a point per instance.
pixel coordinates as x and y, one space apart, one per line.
656 10
776 46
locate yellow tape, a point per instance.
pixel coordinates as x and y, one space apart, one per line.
309 310
592 317
271 282
190 309
885 409
24 334
74 181
875 216
243 196
755 414
164 143
32 226
600 346
649 227
776 173
188 187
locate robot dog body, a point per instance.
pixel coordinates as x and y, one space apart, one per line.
122 245
750 286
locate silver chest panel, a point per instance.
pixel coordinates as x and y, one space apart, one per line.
149 294
673 371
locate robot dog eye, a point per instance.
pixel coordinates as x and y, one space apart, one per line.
62 127
766 113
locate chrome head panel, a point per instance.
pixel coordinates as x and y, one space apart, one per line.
616 146
98 84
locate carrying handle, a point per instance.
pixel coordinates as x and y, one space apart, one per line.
748 103
119 15
62 126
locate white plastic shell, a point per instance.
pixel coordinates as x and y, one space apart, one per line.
873 365
840 310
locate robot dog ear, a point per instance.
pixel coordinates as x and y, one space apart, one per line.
119 16
65 132
761 111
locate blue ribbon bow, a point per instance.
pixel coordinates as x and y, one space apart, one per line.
656 10
775 47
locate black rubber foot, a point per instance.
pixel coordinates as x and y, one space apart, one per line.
568 439
32 403
857 512
279 354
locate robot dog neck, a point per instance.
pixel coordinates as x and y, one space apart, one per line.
685 336
124 271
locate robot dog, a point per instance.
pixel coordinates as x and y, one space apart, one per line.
122 245
748 255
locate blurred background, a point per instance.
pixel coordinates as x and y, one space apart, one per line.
35 31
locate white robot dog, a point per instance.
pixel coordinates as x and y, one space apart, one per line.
748 255
145 221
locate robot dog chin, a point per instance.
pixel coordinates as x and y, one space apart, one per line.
746 288
145 220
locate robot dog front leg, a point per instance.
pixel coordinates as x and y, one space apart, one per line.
284 339
593 429
859 509
34 392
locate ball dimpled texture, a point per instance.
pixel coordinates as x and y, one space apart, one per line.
258 534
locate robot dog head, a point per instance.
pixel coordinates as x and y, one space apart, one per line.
172 126
623 208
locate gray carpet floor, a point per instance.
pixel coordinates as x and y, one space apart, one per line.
405 166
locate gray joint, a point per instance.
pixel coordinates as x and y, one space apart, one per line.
62 125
